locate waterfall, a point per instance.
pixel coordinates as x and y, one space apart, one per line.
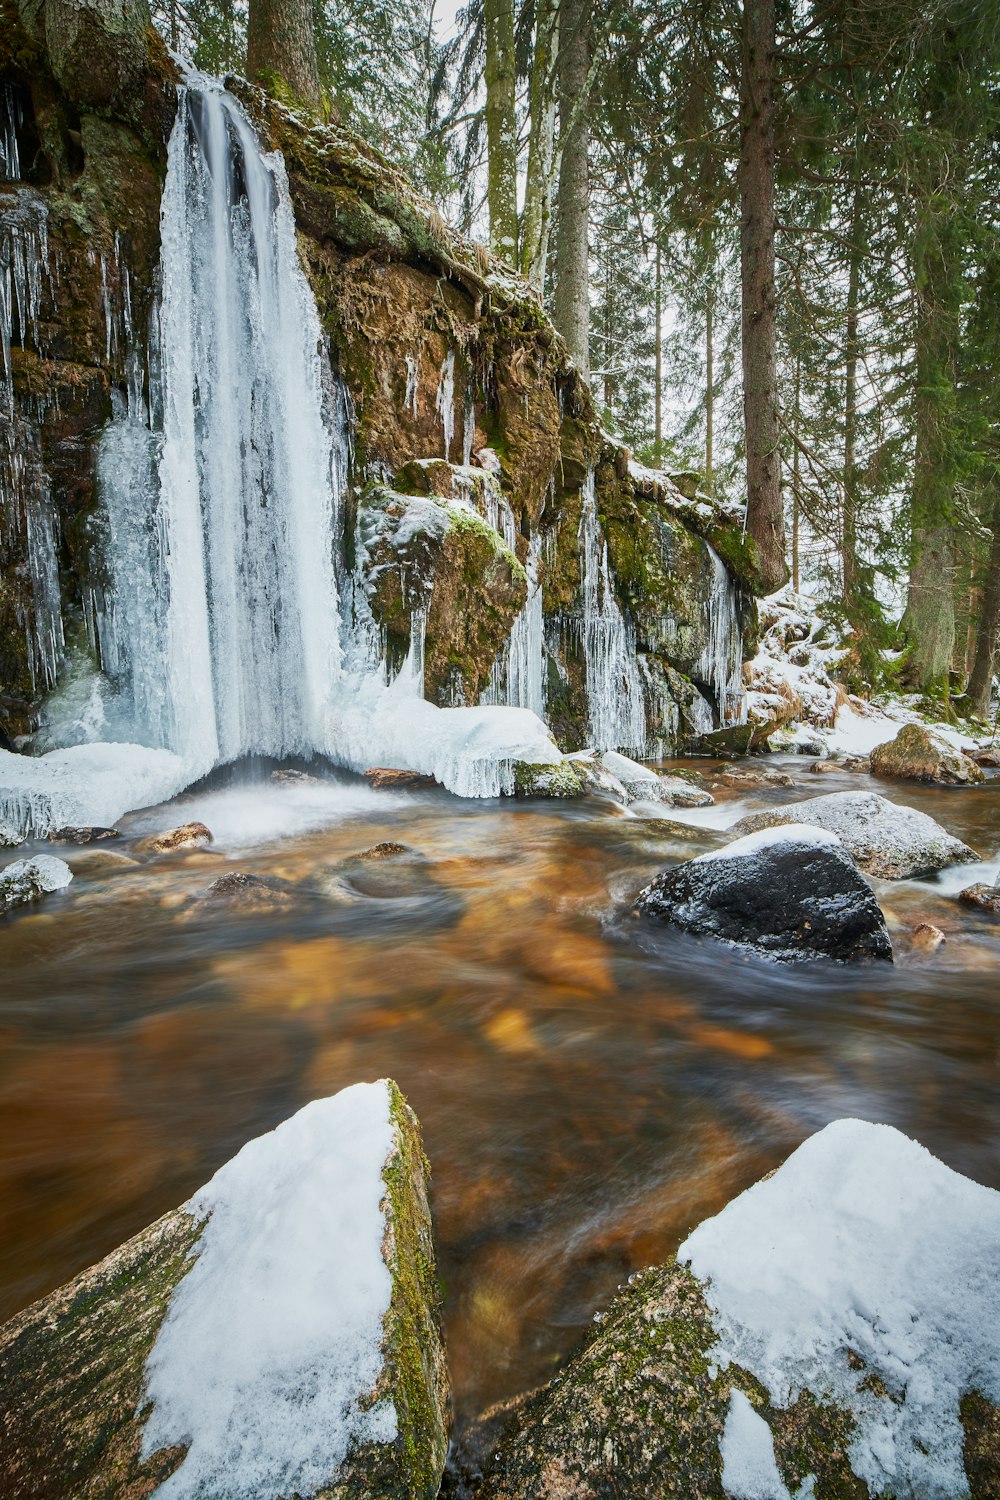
518 677
614 687
248 648
720 666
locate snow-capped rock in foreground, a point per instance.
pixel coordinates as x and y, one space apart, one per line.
886 840
27 879
790 894
832 1333
279 1334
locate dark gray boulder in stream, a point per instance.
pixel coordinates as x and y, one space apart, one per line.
279 1334
789 894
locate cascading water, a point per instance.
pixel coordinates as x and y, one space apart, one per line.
614 686
518 676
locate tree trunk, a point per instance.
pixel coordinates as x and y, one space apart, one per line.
658 377
539 181
281 50
709 362
501 129
849 530
796 470
765 518
981 680
571 309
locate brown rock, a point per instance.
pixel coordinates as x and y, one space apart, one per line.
82 835
927 938
989 758
918 754
250 894
985 897
818 767
190 836
385 776
388 850
857 763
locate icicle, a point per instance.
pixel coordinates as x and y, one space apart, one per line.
445 402
11 120
721 663
412 373
614 687
468 426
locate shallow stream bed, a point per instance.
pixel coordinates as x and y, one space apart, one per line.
589 1089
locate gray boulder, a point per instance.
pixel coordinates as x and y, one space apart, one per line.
886 840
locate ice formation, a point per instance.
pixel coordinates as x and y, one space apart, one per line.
220 624
721 662
864 1246
614 686
271 1345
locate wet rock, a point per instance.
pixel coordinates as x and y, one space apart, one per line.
790 895
289 777
988 758
102 862
387 850
82 835
28 880
860 763
246 894
918 754
382 777
820 767
737 778
562 780
641 783
886 840
100 1401
731 743
189 836
927 938
984 897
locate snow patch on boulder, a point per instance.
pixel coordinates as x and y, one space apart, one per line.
766 838
749 1467
26 879
864 1246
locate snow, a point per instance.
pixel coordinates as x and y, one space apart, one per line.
272 1340
25 879
85 785
749 1467
801 834
863 1242
625 769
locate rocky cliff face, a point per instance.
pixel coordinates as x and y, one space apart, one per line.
490 527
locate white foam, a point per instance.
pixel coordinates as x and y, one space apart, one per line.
863 1242
272 1340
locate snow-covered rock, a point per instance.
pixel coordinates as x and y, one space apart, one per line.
27 879
831 1333
886 840
277 1335
790 894
630 781
919 754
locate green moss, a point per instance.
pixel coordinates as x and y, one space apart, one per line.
562 780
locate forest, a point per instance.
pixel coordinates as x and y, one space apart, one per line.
499 750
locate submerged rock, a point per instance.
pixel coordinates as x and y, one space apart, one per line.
918 754
27 879
985 897
278 1334
382 777
190 836
927 938
829 1334
241 893
790 894
387 850
888 841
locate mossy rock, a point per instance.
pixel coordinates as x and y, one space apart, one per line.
918 754
72 1366
562 780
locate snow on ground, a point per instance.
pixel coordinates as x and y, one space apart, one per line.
84 785
272 1340
791 678
766 838
749 1467
864 1243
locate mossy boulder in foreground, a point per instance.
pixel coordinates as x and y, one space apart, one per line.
279 1334
831 1334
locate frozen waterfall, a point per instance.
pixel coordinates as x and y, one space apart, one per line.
614 686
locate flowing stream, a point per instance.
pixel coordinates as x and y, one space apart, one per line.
588 1093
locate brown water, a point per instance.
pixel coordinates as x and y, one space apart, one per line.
589 1090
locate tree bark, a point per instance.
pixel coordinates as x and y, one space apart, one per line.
981 679
501 129
281 50
796 470
539 182
765 517
571 309
658 376
709 361
849 529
